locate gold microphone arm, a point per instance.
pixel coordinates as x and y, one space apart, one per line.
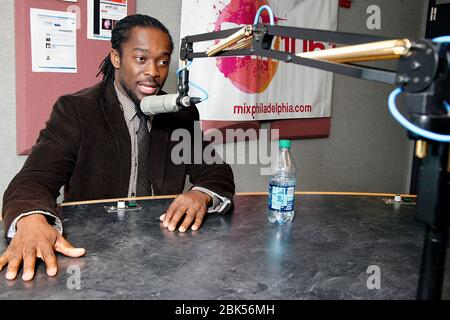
240 39
414 56
374 51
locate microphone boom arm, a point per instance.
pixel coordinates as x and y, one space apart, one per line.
261 46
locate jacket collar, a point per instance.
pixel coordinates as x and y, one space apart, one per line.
114 117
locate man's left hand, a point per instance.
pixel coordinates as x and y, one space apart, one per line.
191 205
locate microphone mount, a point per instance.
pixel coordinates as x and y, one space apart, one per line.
183 99
183 86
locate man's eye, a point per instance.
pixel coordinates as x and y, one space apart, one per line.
140 59
164 62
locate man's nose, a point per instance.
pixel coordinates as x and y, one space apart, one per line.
152 69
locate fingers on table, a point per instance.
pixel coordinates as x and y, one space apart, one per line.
199 219
63 246
189 218
175 208
192 216
14 262
28 257
176 217
29 263
3 260
49 258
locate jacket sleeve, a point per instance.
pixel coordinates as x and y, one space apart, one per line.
48 167
208 170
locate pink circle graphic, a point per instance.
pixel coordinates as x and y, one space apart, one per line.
248 74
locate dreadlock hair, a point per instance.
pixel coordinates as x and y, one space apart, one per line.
121 34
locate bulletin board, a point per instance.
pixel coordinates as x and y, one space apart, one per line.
36 92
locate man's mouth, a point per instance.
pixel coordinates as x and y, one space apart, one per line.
148 88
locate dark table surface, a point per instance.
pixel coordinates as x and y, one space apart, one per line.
325 253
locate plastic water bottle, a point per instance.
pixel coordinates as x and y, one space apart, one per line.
282 187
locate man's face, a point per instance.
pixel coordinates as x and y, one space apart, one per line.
143 67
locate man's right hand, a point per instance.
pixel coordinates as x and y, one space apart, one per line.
35 238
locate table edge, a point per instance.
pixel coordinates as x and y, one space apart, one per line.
333 193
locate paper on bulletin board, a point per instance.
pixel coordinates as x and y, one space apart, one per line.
53 41
102 17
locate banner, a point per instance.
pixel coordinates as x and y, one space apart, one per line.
256 88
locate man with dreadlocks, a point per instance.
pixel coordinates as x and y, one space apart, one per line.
99 145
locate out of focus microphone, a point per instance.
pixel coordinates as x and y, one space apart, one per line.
167 103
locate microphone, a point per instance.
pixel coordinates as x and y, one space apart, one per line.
167 103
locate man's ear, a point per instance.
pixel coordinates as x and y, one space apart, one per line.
115 58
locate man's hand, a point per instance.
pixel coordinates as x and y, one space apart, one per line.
192 205
35 238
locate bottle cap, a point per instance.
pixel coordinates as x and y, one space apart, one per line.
285 144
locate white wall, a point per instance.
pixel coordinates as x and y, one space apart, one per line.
10 163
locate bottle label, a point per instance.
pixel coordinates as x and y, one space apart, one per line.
281 198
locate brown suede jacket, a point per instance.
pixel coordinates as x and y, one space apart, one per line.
86 147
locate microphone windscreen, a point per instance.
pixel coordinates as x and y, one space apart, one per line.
152 105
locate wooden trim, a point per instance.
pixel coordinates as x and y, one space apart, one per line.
370 194
65 204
